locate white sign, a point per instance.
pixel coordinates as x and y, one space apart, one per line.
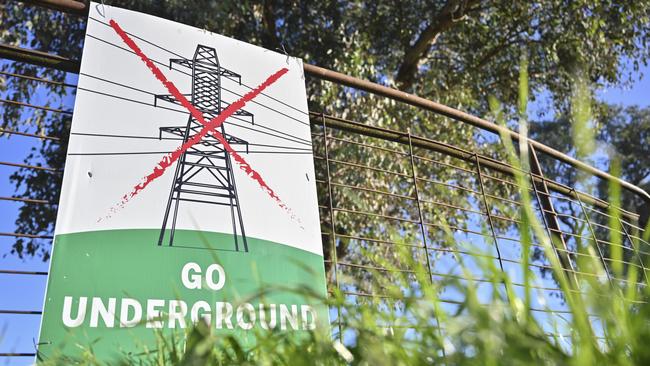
188 189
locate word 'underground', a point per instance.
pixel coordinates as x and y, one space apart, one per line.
161 313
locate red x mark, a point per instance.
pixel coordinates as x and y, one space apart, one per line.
209 127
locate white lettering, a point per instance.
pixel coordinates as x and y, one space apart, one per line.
194 312
108 314
221 317
67 309
209 277
243 324
291 316
160 313
153 313
176 315
125 322
305 310
191 281
263 322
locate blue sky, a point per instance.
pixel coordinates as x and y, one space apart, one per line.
18 332
635 94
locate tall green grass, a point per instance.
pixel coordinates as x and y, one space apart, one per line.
609 322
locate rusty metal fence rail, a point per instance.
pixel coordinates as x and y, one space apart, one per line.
381 189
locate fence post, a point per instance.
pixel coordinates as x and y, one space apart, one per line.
550 217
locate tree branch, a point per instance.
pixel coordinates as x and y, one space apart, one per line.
452 12
495 51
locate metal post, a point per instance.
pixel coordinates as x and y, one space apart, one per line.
550 217
39 58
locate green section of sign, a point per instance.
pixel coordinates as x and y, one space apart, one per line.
128 264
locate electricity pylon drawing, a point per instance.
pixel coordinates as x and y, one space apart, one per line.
204 173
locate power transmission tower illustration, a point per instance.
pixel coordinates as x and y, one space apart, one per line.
204 173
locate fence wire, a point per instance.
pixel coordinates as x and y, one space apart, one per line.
419 198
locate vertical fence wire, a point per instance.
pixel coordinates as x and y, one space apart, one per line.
333 255
423 227
636 250
593 233
489 214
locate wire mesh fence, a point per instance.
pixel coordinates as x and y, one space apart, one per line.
408 200
382 192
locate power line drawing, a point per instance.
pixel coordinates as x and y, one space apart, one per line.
204 173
